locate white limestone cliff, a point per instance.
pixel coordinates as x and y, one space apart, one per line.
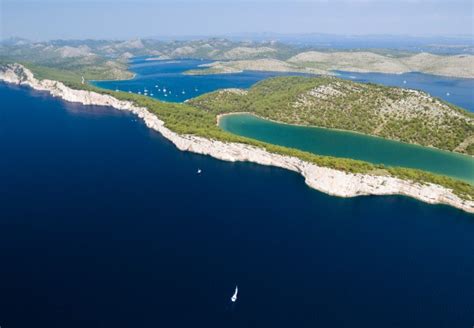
330 181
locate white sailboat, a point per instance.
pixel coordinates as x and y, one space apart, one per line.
234 297
199 171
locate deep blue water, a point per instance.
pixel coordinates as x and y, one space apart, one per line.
103 223
168 74
457 91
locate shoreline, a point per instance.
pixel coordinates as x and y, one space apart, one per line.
219 116
330 181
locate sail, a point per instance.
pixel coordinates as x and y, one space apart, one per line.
234 297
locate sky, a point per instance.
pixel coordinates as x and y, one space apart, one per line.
109 19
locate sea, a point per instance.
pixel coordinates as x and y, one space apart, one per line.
104 223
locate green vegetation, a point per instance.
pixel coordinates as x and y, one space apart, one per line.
187 119
65 61
101 70
392 113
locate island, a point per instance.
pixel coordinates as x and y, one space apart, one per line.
317 62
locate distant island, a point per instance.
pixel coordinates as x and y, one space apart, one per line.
107 59
316 62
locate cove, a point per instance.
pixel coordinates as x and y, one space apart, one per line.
351 145
155 76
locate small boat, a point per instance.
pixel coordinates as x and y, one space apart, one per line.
166 95
151 94
234 297
196 89
117 90
164 89
199 171
448 94
139 92
129 91
156 85
183 92
404 81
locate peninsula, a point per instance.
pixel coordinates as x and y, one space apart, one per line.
195 130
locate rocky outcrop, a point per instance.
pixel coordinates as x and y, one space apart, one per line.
264 65
331 181
248 52
363 61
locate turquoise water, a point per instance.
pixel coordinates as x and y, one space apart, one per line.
351 145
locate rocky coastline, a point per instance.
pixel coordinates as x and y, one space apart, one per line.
327 180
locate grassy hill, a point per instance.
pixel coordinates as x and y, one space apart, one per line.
394 113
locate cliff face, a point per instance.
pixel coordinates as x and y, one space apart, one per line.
331 181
